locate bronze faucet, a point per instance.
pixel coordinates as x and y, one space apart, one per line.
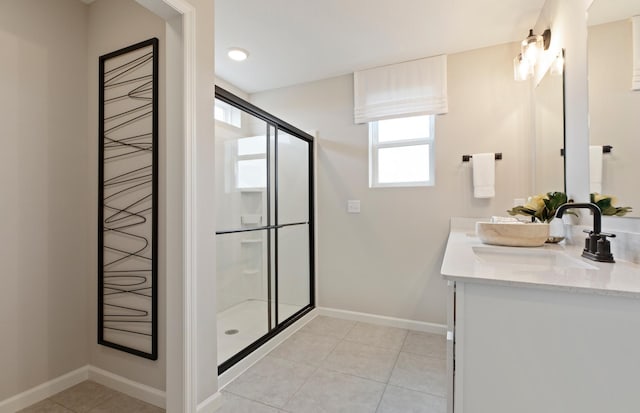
596 247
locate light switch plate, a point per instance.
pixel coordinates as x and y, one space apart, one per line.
353 206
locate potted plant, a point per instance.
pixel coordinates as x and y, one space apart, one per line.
606 205
541 207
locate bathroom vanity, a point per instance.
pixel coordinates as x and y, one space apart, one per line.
539 329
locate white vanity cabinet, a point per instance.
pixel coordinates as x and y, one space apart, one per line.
532 342
530 350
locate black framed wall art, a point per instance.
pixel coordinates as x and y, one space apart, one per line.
128 200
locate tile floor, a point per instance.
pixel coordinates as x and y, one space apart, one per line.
91 397
330 365
334 365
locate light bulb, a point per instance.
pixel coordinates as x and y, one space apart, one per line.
531 47
522 68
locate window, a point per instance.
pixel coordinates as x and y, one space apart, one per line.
401 152
252 163
228 114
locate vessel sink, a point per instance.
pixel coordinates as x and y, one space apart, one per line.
512 234
524 259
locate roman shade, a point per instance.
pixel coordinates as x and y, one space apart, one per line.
418 87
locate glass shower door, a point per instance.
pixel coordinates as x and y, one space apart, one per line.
242 235
264 229
292 253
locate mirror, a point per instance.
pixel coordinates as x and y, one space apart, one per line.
548 98
613 106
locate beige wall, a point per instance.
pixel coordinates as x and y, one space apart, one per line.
114 24
614 109
49 173
44 208
387 259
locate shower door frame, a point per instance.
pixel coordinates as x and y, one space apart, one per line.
278 124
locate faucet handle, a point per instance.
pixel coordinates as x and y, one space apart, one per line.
604 234
603 252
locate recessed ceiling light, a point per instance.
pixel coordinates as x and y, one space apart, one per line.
237 54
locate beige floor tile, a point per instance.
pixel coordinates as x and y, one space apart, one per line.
379 336
355 359
425 344
362 360
425 374
305 348
121 403
271 381
329 391
400 400
83 397
46 406
329 326
236 404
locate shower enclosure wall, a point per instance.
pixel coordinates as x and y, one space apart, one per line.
264 236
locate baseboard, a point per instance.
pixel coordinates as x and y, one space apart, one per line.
44 390
88 372
211 404
384 320
129 387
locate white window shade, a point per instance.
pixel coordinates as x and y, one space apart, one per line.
418 87
635 80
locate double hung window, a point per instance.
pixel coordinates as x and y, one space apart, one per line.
401 152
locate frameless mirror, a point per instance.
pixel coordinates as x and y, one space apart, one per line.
548 98
613 105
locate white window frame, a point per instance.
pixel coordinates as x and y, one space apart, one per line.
229 114
239 158
375 146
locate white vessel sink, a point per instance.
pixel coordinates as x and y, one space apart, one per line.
525 259
512 234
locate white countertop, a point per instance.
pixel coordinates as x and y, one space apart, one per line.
462 263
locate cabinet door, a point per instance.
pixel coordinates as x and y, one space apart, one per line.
451 309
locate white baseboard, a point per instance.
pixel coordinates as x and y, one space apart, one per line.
44 390
129 387
88 372
211 404
384 320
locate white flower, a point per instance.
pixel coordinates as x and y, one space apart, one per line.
536 202
598 197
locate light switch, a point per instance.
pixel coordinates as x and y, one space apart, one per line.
353 206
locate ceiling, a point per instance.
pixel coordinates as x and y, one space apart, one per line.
298 41
605 11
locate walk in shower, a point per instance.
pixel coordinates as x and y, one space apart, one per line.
264 234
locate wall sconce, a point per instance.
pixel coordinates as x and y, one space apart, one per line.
532 48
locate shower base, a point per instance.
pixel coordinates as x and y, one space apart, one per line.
244 323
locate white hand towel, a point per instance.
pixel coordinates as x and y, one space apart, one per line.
484 174
595 169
